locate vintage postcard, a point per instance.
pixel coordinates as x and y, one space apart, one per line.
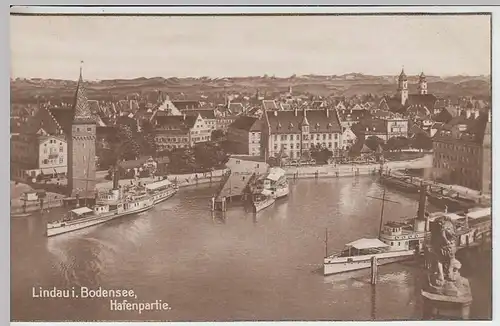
330 165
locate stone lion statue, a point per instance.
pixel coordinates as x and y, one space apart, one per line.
443 237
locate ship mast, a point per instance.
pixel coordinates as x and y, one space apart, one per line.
383 199
326 242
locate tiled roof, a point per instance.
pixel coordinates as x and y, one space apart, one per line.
427 100
370 126
269 105
236 108
186 104
353 115
205 113
290 121
182 122
247 124
474 129
418 111
64 118
81 106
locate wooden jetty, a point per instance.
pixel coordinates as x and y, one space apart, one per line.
234 186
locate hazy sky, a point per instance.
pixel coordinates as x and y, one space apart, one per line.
130 47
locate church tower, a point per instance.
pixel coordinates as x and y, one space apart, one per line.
422 84
81 146
403 87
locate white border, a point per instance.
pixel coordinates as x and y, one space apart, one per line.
302 10
242 10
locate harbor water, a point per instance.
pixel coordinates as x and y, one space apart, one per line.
232 267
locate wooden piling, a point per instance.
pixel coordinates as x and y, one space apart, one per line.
374 270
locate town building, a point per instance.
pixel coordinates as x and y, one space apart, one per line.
39 154
207 114
179 131
294 132
462 151
381 124
348 138
403 100
39 146
244 135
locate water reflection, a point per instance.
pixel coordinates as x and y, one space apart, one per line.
222 266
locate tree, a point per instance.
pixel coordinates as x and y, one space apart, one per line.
397 143
148 139
321 154
217 135
122 145
182 160
422 141
210 155
373 142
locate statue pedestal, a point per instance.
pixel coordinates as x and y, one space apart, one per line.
439 305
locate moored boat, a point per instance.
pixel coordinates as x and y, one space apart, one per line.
358 255
262 200
102 212
161 190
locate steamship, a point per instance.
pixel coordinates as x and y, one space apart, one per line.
115 203
397 241
400 241
161 190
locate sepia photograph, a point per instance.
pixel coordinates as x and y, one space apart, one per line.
251 167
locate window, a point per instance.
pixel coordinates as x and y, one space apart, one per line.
45 150
45 161
89 129
61 159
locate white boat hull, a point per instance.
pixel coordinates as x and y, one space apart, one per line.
281 192
258 206
336 265
164 195
70 226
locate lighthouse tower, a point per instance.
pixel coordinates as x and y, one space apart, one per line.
81 146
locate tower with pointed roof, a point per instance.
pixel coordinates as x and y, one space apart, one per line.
403 87
422 84
304 130
81 145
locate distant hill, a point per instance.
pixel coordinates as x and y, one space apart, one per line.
26 90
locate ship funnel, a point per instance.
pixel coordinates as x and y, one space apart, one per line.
116 179
421 222
422 204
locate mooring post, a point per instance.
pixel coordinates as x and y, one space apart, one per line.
374 270
213 203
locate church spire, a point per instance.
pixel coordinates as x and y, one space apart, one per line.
81 108
305 122
402 75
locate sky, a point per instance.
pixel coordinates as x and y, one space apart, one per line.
224 46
